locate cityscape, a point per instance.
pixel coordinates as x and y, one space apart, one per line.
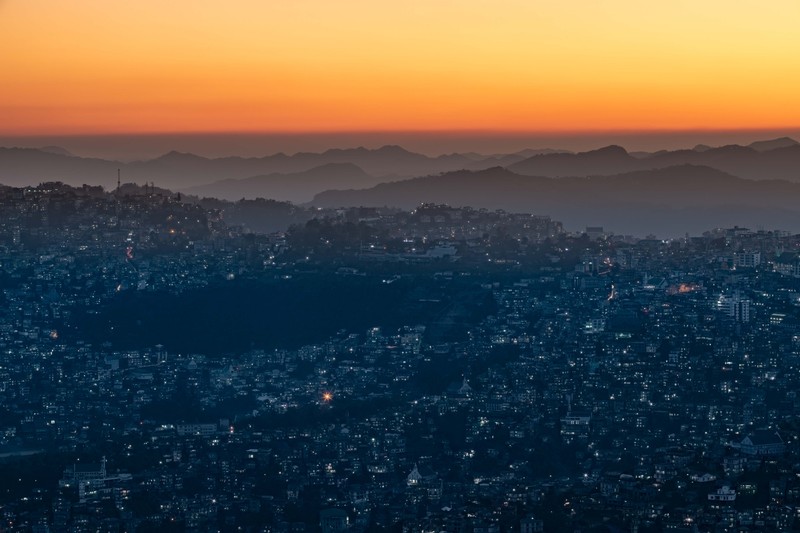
441 369
399 267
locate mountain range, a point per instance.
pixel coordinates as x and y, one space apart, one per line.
778 159
178 170
664 192
666 202
297 187
773 159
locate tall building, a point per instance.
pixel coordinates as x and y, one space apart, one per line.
734 305
746 259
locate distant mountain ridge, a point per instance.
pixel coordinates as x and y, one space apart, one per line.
776 159
668 201
297 187
607 160
765 146
178 170
770 159
635 185
57 150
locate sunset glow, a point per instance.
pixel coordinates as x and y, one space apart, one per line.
93 66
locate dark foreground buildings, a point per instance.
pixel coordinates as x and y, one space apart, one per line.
440 370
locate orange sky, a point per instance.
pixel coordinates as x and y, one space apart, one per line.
96 66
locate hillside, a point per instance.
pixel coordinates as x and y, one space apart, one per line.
669 201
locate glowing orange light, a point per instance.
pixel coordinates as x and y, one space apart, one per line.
327 396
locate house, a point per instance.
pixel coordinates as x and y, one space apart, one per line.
703 478
722 494
762 442
333 520
84 474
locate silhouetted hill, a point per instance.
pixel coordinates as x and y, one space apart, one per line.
781 162
775 159
504 160
297 187
29 166
608 160
178 170
668 202
765 146
259 215
742 161
56 150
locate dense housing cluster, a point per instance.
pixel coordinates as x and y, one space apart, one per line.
492 372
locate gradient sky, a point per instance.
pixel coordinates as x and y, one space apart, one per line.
98 66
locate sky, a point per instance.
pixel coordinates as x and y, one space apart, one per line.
95 67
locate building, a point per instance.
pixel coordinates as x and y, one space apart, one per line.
333 520
763 442
735 306
746 259
722 494
575 426
202 430
84 473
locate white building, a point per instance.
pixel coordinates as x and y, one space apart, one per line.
734 305
722 494
746 259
